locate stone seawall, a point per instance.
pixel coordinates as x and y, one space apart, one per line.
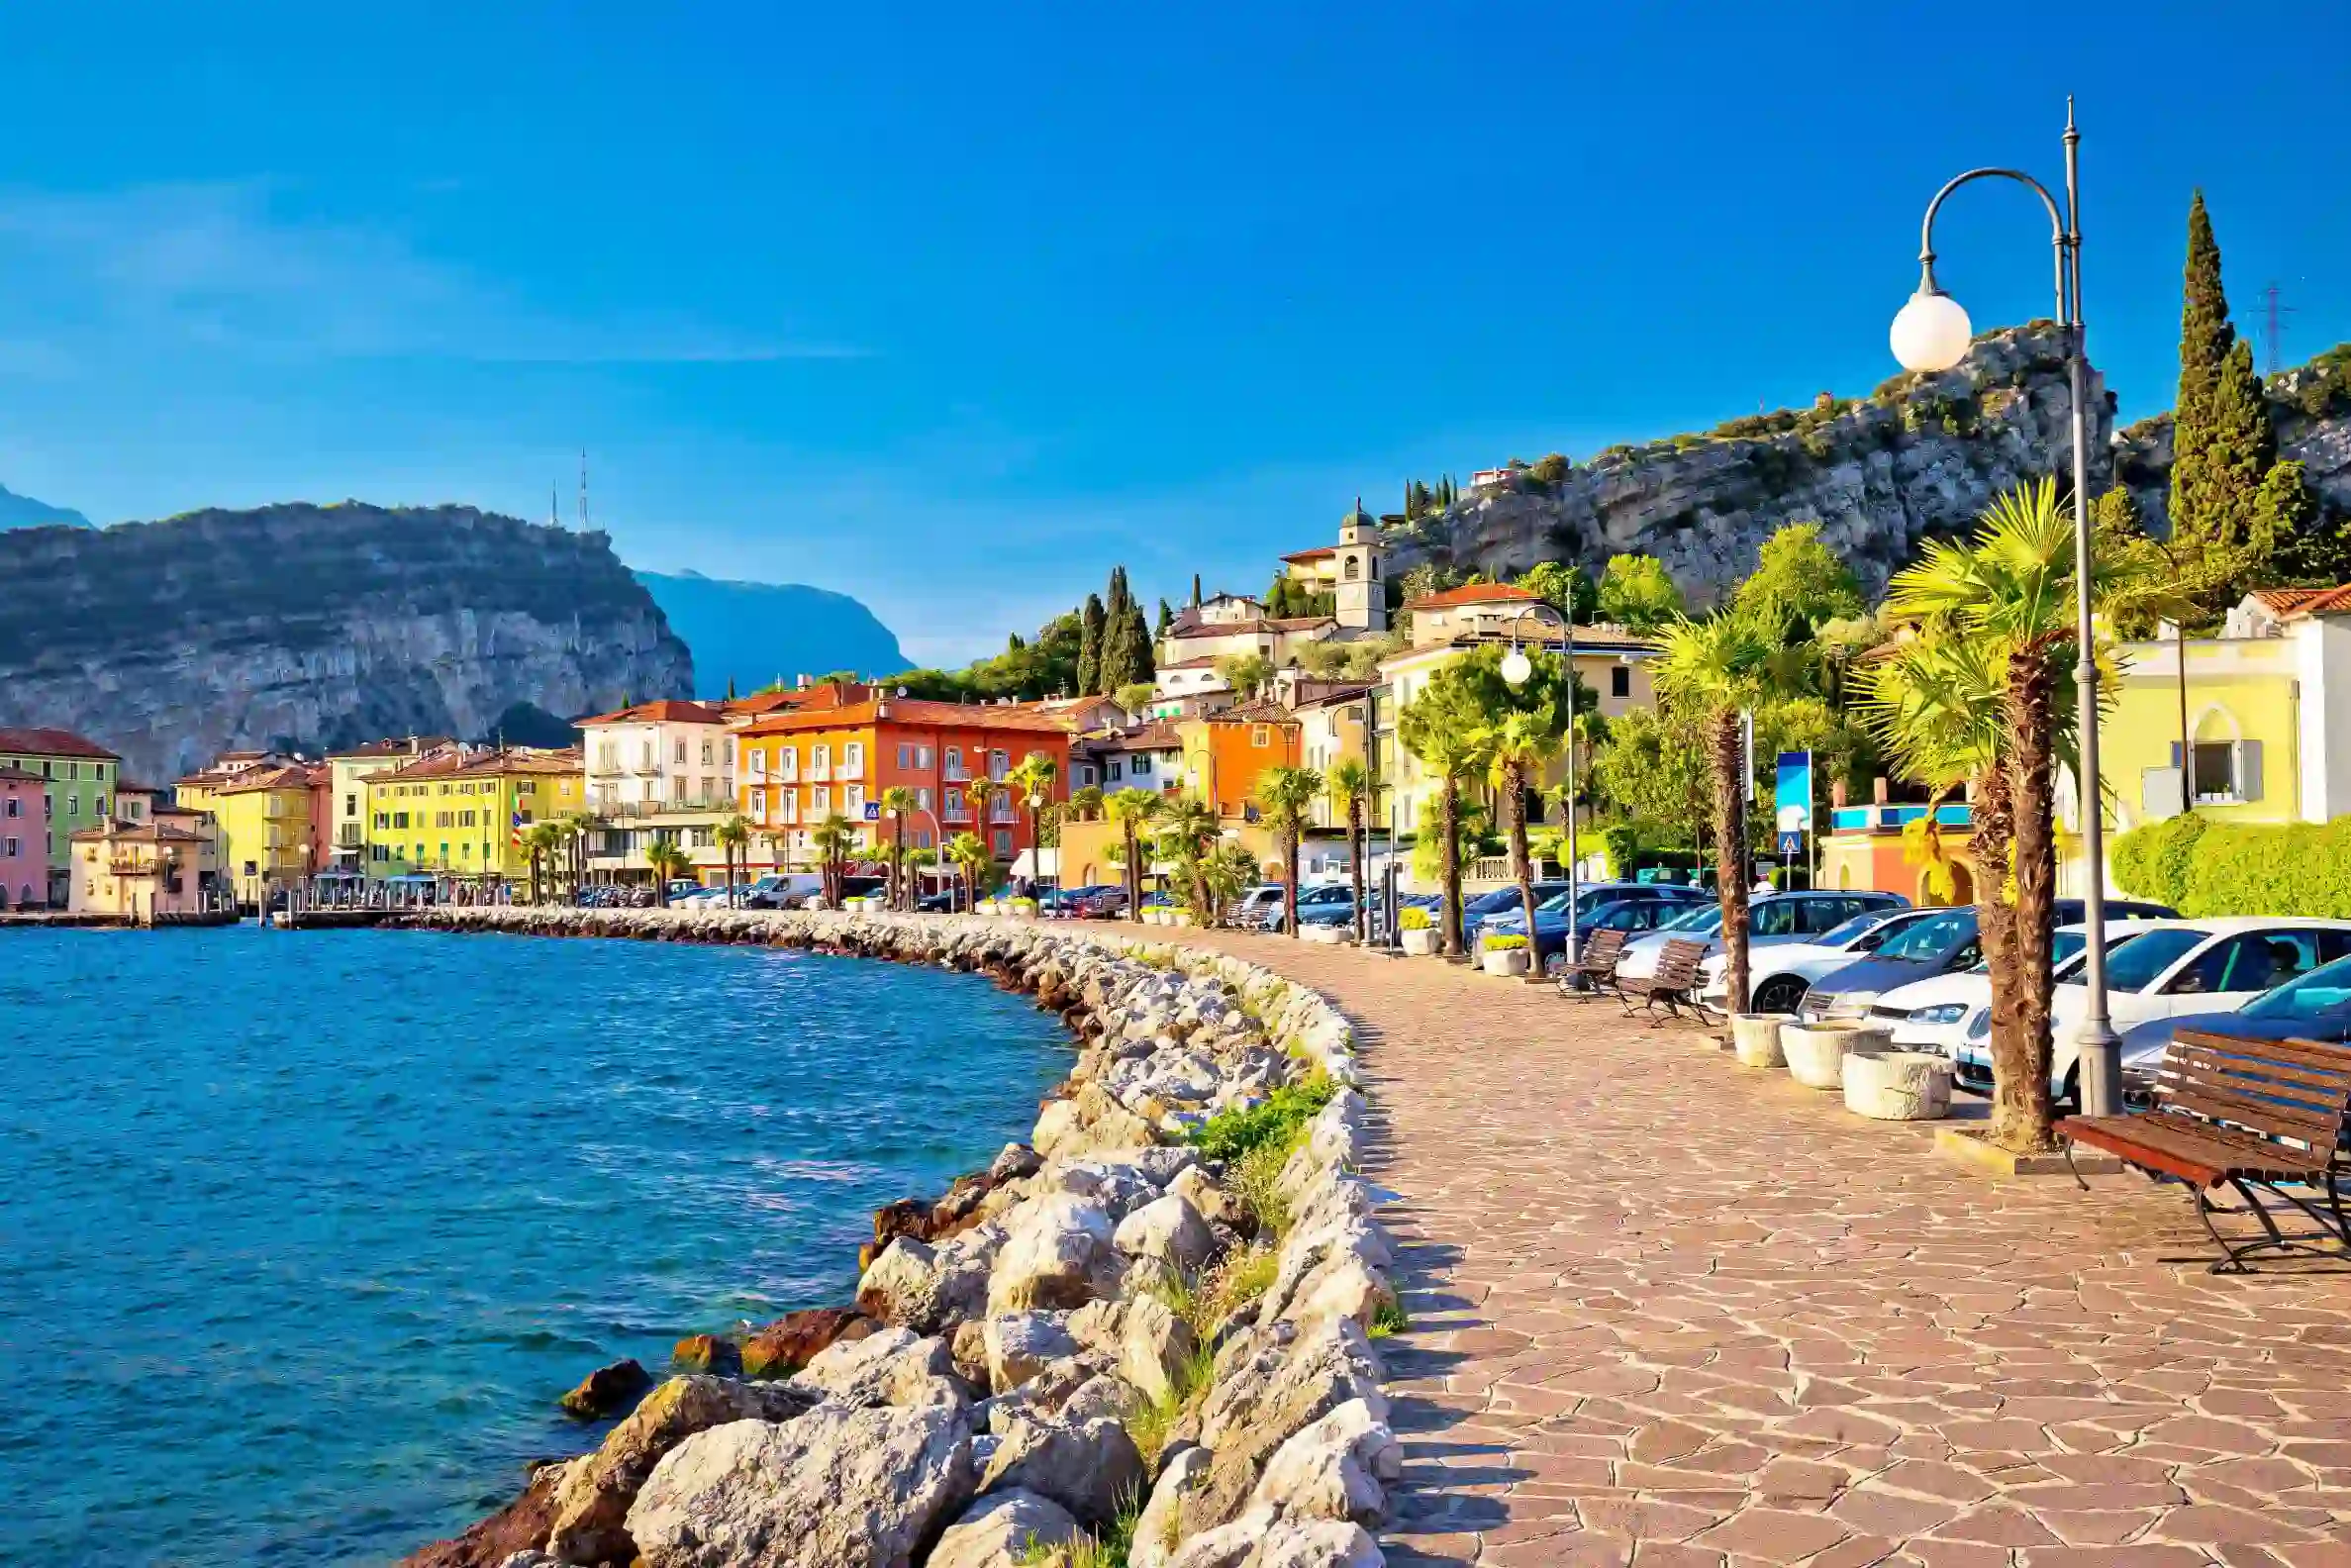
1108 1346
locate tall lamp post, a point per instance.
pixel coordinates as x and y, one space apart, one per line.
1515 667
1931 332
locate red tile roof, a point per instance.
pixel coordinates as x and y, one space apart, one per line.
917 711
1474 593
393 745
1302 556
1255 713
20 775
1298 623
294 775
669 710
146 832
2293 603
54 742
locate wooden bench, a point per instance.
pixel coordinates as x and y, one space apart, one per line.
2257 1116
1597 963
1675 983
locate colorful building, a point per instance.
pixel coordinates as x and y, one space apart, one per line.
838 754
24 838
263 819
1225 754
460 812
78 778
340 830
142 870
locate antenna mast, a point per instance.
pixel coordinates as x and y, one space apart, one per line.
2274 328
583 490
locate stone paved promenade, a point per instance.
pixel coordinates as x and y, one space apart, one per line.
1674 1313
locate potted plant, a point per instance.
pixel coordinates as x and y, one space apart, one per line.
1418 932
1503 954
1815 1053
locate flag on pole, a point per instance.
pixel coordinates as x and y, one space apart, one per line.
517 830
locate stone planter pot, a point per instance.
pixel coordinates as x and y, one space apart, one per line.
1423 942
1505 961
1755 1037
1154 917
1329 935
1815 1053
1179 917
1897 1085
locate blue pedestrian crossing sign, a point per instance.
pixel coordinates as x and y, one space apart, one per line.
1791 845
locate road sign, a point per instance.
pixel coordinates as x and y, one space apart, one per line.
873 811
1791 845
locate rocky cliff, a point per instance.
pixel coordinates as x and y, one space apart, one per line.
315 626
753 632
1921 456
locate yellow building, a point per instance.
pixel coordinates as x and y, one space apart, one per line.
261 816
345 833
142 870
457 812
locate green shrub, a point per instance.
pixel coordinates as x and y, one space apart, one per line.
2156 861
2281 868
1276 1123
1389 1317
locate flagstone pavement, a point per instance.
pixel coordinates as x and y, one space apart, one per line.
1672 1313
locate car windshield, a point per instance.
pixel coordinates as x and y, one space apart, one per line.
2065 948
1850 931
2326 992
2136 968
1707 918
1932 937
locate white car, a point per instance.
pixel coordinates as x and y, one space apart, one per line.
1774 919
2159 970
1780 976
1937 1014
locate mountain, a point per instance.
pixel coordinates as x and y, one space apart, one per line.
751 632
18 511
313 626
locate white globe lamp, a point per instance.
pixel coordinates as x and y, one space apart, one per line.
1931 332
1516 667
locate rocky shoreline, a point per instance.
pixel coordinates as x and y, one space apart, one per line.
1145 1336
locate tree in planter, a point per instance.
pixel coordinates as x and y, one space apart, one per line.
1131 810
898 803
2010 589
1444 728
733 836
1285 795
1716 668
1521 745
1352 789
667 860
834 838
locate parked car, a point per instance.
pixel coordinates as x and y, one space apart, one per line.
2315 1007
1773 919
2161 975
1249 910
1630 907
1780 973
943 901
1944 944
1937 1014
1327 896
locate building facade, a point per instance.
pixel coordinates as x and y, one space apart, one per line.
342 828
264 817
77 780
1350 571
142 870
1225 754
24 838
461 812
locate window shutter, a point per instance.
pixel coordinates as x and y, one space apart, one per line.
2175 754
2248 770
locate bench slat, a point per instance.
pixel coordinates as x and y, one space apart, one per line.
2315 1055
2266 1116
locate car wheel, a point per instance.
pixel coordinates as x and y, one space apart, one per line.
1779 994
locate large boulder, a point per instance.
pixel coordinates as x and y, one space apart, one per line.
835 1488
1168 1230
1155 1530
1093 1469
1002 1530
928 1288
890 1366
784 1346
1155 1348
1057 1253
607 1391
591 1503
1257 1539
1337 1468
707 1353
521 1525
1019 1345
1270 1384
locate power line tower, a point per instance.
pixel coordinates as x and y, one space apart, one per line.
583 490
2272 325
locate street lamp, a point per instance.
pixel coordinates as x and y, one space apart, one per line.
1515 668
1931 332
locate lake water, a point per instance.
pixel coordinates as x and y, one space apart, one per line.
301 1235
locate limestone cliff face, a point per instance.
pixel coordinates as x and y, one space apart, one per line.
2309 409
1921 456
317 627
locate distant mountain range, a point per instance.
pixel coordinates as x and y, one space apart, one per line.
750 633
18 511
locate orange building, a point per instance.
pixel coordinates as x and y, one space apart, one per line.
840 750
1224 753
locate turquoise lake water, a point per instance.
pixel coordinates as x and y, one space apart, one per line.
303 1235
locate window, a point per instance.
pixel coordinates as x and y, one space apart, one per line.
998 766
906 755
956 811
1619 680
852 803
955 762
921 757
1352 567
73 805
922 800
709 753
677 752
853 760
820 800
1261 735
350 805
819 761
2254 961
1117 770
15 806
2135 965
1003 842
1142 765
758 763
15 847
787 762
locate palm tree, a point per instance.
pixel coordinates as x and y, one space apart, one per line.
539 842
980 793
733 836
1086 803
1720 666
1352 789
1448 735
834 838
1522 743
898 804
1189 833
1131 808
2011 591
1287 794
667 860
1032 783
969 852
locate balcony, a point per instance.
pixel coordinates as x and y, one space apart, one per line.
1892 817
351 836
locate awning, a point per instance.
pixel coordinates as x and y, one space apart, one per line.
1025 863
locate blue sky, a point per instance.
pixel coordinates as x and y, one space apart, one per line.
951 307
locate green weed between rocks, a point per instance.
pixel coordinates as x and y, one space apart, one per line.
1389 1317
1155 1421
1229 1134
1110 1549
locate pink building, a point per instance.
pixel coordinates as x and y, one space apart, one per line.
24 839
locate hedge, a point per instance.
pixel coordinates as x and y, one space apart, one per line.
2262 869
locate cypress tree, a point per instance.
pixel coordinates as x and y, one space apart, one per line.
2223 443
1091 623
1195 590
1137 647
1166 619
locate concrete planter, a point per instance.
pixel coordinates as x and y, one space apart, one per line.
1897 1085
1504 961
1755 1037
1815 1053
1423 942
1329 935
1182 916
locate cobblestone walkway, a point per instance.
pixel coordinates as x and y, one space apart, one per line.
1671 1312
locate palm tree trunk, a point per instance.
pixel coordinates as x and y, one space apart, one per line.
2021 1113
1355 863
1994 829
1133 877
1513 785
1730 853
1449 817
1290 879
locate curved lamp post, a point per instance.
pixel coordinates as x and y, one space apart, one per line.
1515 668
1931 332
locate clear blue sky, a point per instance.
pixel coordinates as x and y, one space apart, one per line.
951 307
